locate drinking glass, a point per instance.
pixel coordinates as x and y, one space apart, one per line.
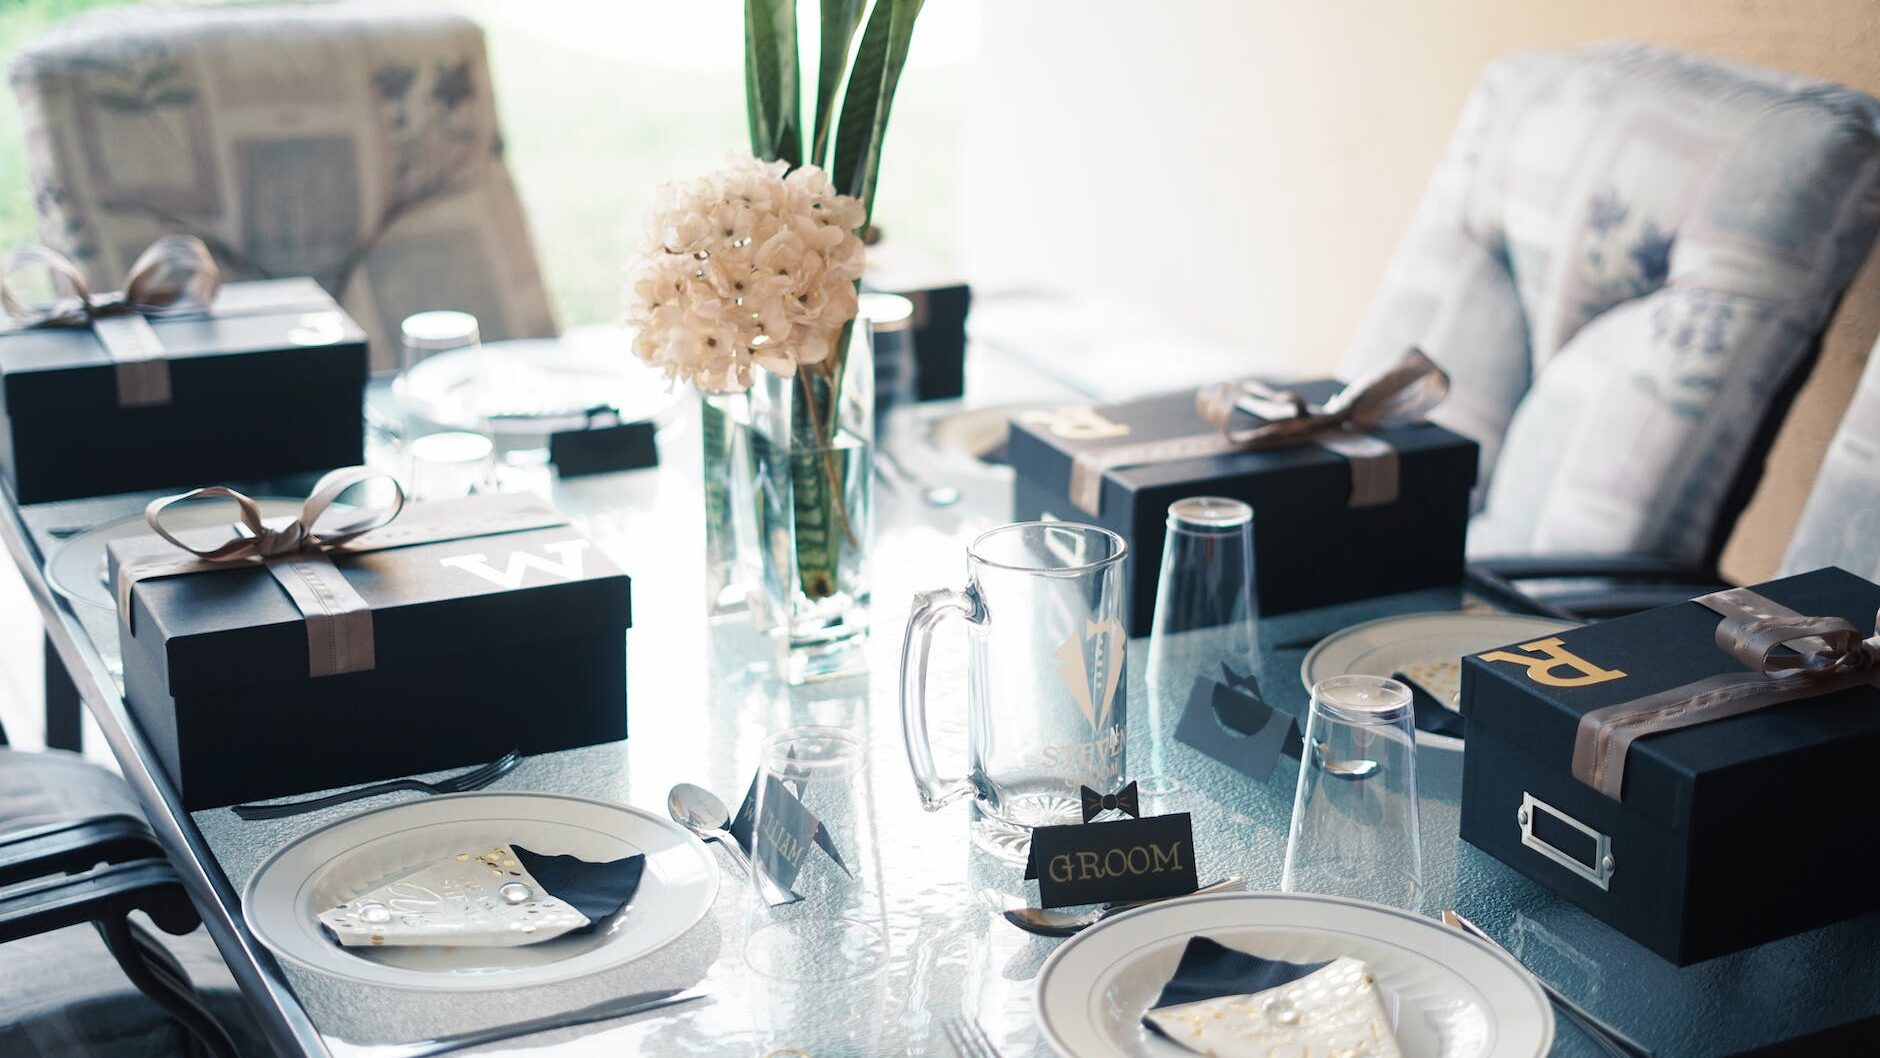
835 938
425 334
1046 688
448 465
1205 621
1354 822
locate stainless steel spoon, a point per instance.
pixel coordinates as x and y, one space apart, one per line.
1350 770
701 812
1048 923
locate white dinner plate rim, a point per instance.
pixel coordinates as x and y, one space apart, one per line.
1066 951
414 980
1424 738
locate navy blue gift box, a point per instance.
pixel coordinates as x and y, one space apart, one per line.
482 644
1727 834
1311 546
268 381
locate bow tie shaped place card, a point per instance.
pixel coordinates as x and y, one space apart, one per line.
1120 859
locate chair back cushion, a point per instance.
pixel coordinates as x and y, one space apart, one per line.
1625 256
1840 523
351 143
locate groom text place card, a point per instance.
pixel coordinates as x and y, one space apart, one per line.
1126 859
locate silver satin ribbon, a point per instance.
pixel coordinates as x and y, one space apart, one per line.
300 556
1830 655
1398 394
175 272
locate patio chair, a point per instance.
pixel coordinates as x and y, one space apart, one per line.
352 143
1840 523
1626 262
82 883
1839 526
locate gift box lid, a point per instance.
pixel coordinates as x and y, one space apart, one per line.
237 628
307 339
1630 657
1044 449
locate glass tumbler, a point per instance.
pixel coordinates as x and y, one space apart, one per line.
445 466
813 836
1205 622
1354 821
1046 687
425 334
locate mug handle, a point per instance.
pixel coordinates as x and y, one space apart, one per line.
930 608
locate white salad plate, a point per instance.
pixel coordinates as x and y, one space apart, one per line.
331 865
1427 647
1449 995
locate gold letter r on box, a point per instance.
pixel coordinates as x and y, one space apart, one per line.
1553 655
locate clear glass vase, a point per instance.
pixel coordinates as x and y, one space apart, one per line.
733 562
811 446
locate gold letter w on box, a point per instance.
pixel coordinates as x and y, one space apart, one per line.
1550 656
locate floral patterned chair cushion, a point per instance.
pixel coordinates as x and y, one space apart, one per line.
1840 523
355 145
1625 256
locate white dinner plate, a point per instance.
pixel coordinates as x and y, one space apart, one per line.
1427 647
1451 996
78 569
530 387
335 863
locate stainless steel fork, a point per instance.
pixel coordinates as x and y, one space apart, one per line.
475 779
967 1039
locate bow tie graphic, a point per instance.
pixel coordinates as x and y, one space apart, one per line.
1122 800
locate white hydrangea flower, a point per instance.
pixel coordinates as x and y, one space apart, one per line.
751 267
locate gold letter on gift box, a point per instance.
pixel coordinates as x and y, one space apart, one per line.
1076 424
1554 655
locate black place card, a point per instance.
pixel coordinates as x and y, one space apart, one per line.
1230 723
603 449
740 828
1126 859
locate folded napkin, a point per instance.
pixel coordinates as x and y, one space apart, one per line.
1230 1004
503 897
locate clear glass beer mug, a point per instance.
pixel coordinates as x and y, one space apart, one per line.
1047 697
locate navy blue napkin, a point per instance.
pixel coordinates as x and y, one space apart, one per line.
1210 970
597 890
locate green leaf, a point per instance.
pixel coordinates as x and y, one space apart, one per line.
772 88
870 95
840 20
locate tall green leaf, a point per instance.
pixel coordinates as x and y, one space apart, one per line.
773 92
870 95
840 20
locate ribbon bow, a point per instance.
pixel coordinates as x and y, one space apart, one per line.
1399 393
339 622
174 273
1828 654
1123 800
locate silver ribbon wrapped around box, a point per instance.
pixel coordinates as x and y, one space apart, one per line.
1824 655
1249 416
300 555
175 274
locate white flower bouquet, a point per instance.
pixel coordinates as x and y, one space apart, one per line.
748 281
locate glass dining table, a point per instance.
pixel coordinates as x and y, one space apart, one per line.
701 700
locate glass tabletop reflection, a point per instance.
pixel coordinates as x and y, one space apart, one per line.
702 699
